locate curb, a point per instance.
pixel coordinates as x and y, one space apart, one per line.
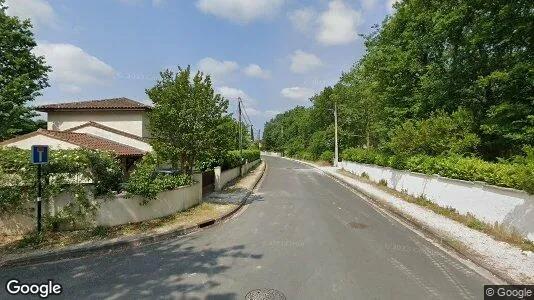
110 246
434 235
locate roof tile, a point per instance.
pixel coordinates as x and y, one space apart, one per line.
103 104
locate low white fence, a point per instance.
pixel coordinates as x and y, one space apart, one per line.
222 178
267 153
486 202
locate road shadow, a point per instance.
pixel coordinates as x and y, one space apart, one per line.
176 269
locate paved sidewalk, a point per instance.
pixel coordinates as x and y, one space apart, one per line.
501 258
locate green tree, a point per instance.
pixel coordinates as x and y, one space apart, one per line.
22 75
188 121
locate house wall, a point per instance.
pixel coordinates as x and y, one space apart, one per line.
115 137
489 203
128 121
42 140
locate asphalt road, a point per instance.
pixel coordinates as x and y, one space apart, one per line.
303 234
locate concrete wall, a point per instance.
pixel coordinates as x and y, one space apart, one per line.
115 137
270 153
128 210
111 211
486 202
41 140
129 121
232 174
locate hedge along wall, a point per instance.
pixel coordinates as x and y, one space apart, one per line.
486 202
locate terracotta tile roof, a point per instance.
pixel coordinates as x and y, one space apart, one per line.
110 129
82 140
104 104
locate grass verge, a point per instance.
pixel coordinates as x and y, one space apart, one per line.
498 231
49 239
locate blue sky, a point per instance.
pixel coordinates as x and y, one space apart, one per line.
272 53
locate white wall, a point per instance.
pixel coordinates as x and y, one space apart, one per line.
486 202
129 121
271 153
128 210
115 137
232 174
41 140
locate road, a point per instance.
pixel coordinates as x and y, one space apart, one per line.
303 234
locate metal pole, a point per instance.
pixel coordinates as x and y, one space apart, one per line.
39 195
252 133
336 154
240 135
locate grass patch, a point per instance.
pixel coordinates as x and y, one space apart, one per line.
498 231
50 239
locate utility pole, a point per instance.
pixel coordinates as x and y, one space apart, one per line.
336 154
240 133
252 133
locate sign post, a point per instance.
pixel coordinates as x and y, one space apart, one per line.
39 158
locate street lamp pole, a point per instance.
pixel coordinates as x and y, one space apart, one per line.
336 154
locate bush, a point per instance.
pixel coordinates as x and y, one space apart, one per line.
66 170
440 134
327 156
517 173
144 182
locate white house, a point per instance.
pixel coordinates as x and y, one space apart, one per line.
118 124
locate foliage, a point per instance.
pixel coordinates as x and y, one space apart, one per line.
67 171
514 174
188 122
440 134
438 78
22 75
327 156
145 182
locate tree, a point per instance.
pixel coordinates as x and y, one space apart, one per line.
22 75
189 120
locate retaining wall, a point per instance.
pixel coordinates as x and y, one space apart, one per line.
486 202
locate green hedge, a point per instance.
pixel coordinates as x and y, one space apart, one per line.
234 158
66 170
518 173
145 182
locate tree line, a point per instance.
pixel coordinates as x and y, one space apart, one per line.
437 78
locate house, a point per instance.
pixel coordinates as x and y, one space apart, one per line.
119 125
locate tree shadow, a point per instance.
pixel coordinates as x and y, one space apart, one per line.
176 269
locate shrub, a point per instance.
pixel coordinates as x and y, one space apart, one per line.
144 182
328 155
517 173
66 170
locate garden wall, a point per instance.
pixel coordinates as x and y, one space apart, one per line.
486 202
232 174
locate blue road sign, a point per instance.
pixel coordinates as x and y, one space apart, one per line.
39 154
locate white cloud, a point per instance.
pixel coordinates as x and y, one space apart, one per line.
253 70
338 25
216 67
72 67
271 113
69 88
232 94
369 4
302 18
302 62
39 11
297 93
240 11
253 112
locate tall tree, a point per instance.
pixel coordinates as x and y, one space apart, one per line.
188 118
22 75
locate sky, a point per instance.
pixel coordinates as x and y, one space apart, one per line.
274 54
